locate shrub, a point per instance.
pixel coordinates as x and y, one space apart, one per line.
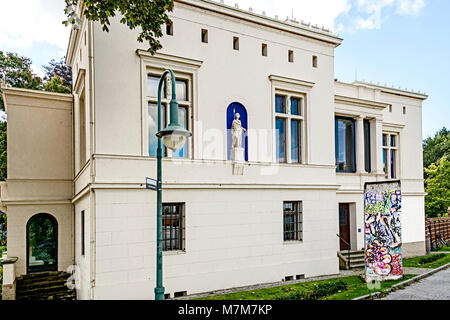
431 258
318 291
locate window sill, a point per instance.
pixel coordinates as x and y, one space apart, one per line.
174 253
292 242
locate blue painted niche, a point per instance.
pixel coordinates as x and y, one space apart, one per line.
232 109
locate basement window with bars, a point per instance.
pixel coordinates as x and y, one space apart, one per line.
173 221
293 220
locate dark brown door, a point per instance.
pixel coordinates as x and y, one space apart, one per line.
344 225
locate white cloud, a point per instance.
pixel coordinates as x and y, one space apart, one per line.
361 14
25 22
374 12
410 7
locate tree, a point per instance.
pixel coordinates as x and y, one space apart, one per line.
16 72
60 69
56 84
149 15
437 147
437 184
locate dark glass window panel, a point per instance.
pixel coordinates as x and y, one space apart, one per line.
296 106
280 139
345 145
182 90
385 140
393 164
153 127
152 87
280 104
292 224
295 141
393 141
385 159
83 231
367 151
173 227
183 120
343 216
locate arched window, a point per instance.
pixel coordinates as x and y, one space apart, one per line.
42 243
232 109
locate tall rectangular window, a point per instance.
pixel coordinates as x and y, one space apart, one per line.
173 221
82 234
293 221
390 154
82 114
367 151
264 50
289 128
204 36
345 144
184 98
291 56
235 43
169 28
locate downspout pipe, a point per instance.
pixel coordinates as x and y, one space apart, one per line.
91 154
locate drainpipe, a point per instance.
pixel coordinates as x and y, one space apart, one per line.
91 153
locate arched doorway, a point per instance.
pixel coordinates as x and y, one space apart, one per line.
42 243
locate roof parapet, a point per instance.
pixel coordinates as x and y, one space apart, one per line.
392 90
289 22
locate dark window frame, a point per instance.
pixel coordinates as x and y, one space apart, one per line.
83 233
205 36
295 235
337 118
180 244
367 146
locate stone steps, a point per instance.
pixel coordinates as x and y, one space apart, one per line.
44 286
357 259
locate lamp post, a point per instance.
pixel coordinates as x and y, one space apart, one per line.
173 137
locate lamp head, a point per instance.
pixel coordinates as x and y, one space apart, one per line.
174 136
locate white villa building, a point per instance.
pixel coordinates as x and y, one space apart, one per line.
78 163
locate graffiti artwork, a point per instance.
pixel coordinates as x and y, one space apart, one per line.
383 238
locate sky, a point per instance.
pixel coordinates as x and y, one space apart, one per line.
404 43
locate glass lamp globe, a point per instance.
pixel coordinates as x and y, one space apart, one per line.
174 137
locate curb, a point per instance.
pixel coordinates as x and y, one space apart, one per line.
403 284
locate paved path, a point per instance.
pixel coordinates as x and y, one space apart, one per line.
435 287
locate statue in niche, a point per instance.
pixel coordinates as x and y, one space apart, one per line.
236 131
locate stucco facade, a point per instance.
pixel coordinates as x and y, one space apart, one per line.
233 219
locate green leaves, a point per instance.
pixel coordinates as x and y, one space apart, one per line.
437 184
149 15
16 72
436 160
56 84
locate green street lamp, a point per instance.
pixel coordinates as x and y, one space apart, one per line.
173 137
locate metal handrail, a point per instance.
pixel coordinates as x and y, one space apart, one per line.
348 244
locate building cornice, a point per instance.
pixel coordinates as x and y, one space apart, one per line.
159 58
35 94
360 102
399 92
297 82
288 26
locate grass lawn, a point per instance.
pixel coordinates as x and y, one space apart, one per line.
356 287
445 248
430 261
